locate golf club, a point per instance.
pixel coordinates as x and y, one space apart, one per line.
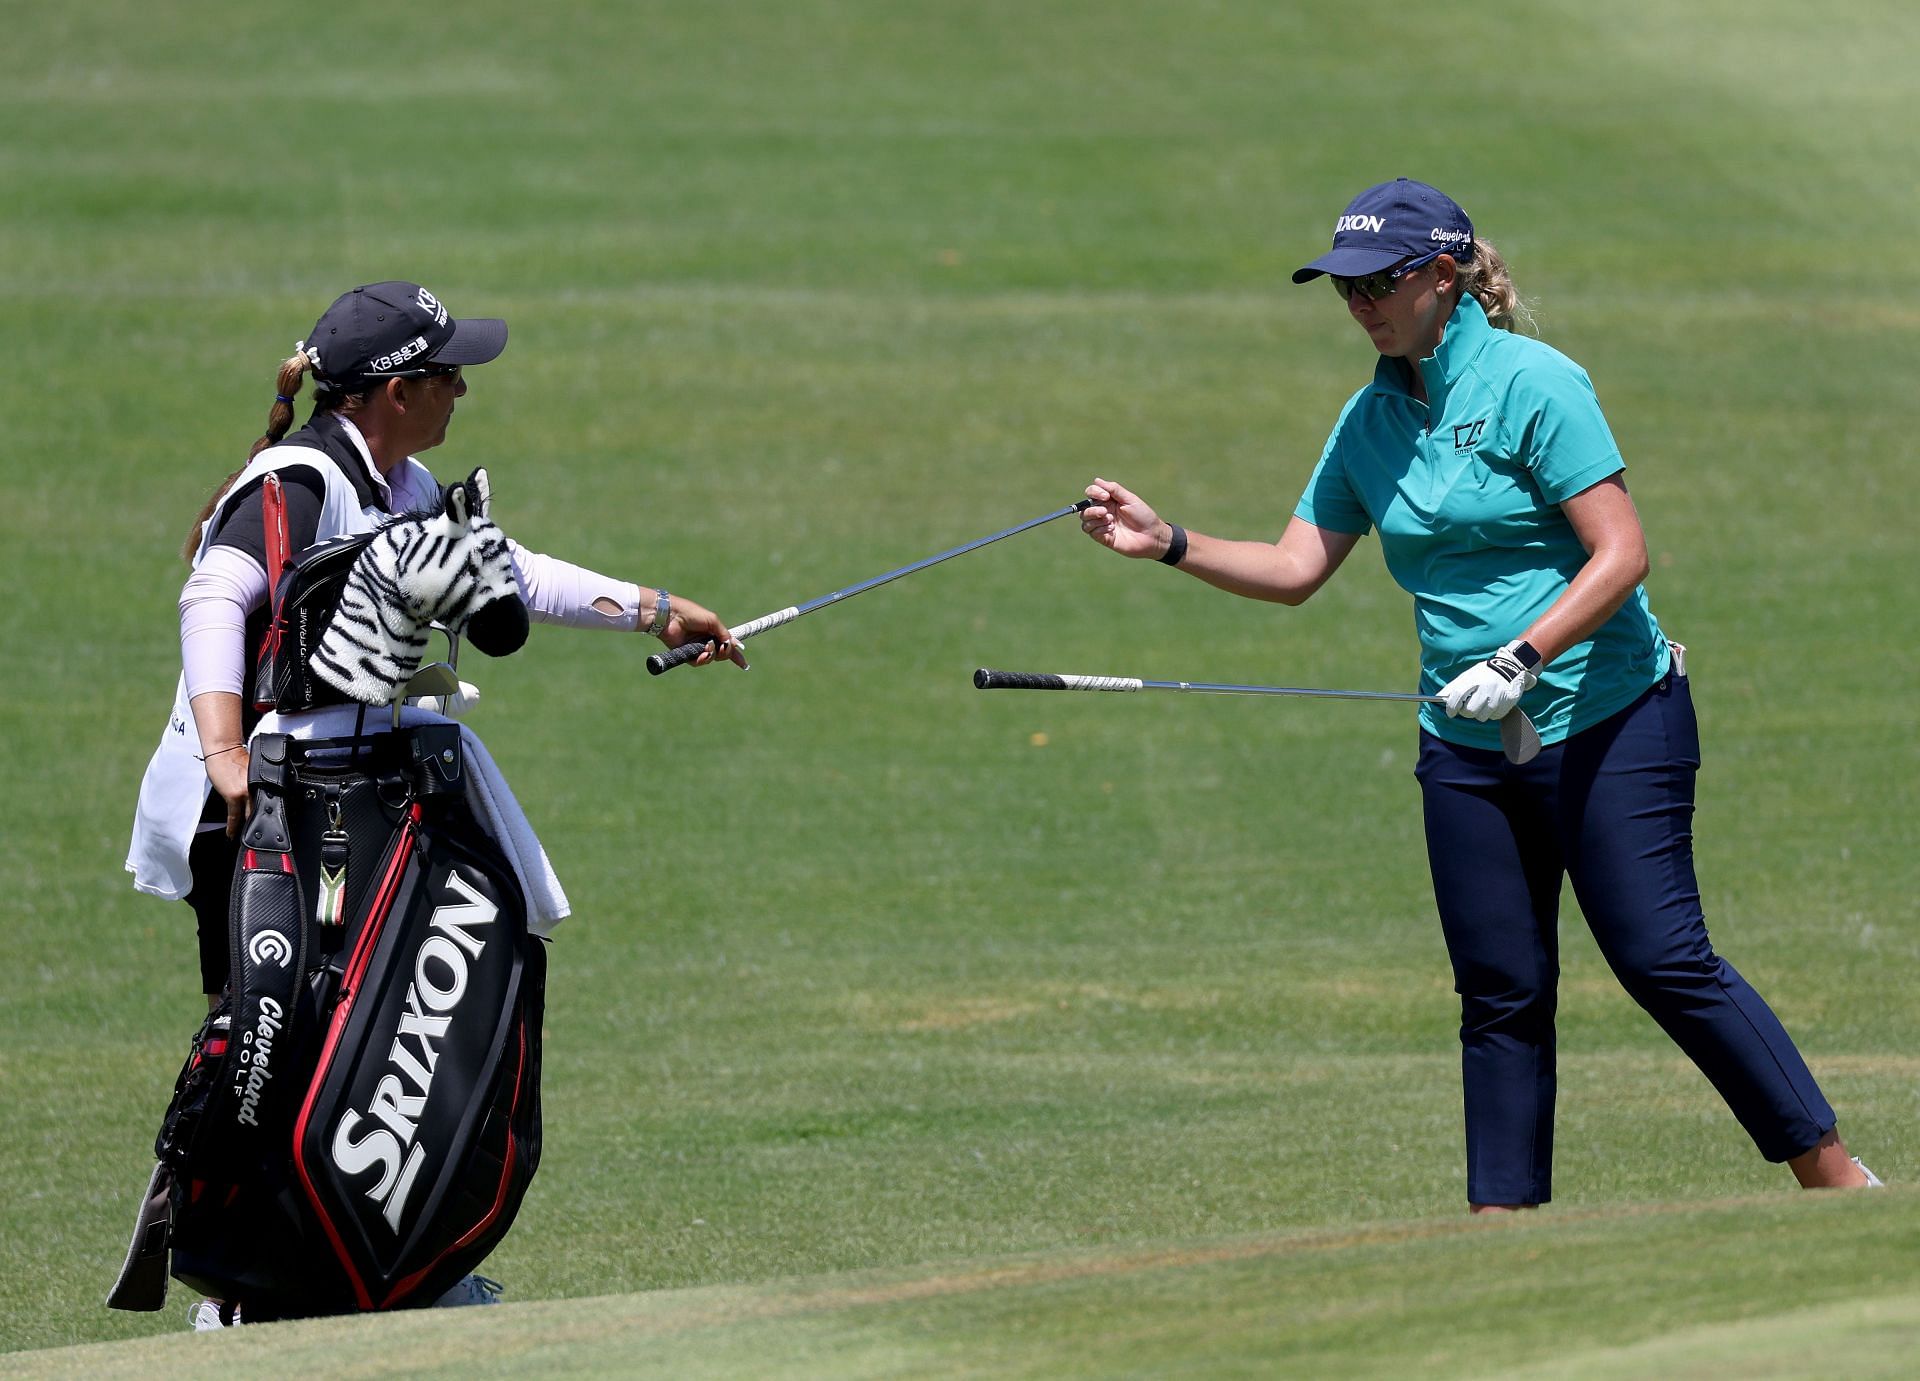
436 678
686 652
1519 740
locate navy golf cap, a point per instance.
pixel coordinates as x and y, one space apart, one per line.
391 330
1397 220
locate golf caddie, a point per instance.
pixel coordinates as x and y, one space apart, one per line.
389 364
1481 457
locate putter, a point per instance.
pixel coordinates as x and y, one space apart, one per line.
1519 740
686 652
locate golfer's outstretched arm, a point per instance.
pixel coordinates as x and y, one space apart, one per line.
1285 572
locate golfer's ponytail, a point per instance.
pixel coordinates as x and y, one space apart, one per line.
280 417
1487 278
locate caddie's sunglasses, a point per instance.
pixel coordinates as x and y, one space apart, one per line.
1375 286
431 371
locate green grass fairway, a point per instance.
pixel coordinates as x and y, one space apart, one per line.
1127 1016
1664 1290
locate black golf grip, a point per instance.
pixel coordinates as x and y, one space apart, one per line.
983 679
677 657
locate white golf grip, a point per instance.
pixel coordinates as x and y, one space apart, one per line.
766 621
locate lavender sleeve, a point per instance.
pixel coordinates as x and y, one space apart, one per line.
560 592
226 586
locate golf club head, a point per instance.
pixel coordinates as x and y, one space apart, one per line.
436 678
1519 740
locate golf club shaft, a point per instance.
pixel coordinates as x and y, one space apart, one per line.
1518 737
666 661
985 679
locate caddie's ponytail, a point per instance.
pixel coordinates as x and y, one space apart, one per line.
285 388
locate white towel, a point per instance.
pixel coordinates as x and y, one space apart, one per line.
488 795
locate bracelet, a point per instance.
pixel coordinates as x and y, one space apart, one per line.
662 613
231 748
1176 551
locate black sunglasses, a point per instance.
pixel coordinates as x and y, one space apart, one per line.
359 383
430 371
1375 286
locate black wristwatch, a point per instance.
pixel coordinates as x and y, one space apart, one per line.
1524 653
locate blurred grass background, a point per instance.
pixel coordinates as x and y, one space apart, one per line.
868 970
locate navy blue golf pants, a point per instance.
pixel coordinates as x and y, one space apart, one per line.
1610 808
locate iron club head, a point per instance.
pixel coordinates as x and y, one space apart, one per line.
1519 740
436 678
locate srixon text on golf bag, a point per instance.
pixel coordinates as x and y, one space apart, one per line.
358 1121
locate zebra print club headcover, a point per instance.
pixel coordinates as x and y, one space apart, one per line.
452 567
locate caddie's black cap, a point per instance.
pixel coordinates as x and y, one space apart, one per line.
394 331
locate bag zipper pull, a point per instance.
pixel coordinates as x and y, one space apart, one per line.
330 903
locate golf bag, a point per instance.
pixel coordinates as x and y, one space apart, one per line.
357 1123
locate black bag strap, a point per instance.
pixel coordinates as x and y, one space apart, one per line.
267 935
267 772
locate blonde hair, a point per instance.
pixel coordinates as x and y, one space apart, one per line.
286 387
1486 276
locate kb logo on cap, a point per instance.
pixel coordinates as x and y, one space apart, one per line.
430 303
393 360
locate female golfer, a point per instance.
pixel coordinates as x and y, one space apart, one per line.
1482 458
387 362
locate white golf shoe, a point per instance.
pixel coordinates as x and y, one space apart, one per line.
204 1317
470 1290
1873 1180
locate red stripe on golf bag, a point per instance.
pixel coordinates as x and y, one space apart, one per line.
273 513
370 932
427 1083
273 516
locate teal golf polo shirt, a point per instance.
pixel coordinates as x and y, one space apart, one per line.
1465 490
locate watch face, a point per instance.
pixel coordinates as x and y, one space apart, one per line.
1526 656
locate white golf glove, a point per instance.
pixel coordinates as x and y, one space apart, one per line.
1487 690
